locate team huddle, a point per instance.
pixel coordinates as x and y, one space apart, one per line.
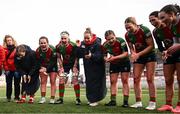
32 68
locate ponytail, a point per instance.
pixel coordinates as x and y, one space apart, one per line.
178 9
88 30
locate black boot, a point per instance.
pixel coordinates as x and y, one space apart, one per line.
111 103
59 101
125 104
78 101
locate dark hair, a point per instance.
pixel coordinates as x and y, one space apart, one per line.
43 37
130 20
171 9
108 32
177 7
88 30
154 13
65 32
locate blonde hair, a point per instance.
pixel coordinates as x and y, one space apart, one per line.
64 33
131 20
5 43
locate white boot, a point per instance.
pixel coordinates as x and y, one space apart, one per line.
137 105
43 100
151 106
93 104
52 101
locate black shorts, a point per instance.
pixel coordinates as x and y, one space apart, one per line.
146 59
53 69
173 59
67 68
120 67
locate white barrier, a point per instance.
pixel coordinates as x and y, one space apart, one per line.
159 82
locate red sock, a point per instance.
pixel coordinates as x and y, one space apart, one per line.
77 90
153 99
43 94
61 90
169 102
138 99
178 103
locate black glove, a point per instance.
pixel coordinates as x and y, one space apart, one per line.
0 72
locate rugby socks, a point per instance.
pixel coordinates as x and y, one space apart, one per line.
138 99
77 90
113 97
178 104
52 97
153 99
126 97
169 102
43 94
61 90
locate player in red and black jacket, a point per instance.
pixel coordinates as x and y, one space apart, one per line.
2 58
47 63
11 74
66 53
141 45
169 15
119 63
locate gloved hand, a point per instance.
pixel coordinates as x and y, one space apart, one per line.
0 72
24 78
29 78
